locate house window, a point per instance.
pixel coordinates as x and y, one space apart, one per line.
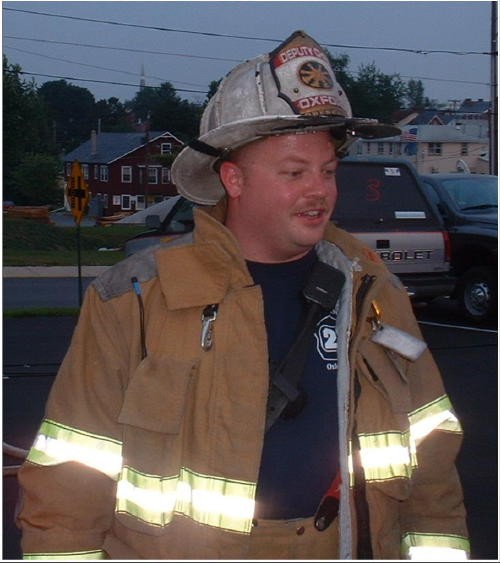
125 202
359 148
116 200
152 175
166 148
126 174
104 174
380 148
96 171
165 175
464 150
368 147
140 202
85 170
391 149
435 148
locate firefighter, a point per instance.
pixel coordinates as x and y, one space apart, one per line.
258 388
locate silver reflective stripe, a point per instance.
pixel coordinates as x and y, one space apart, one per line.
437 415
71 556
213 501
435 547
56 443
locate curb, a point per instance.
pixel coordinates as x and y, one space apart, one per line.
52 271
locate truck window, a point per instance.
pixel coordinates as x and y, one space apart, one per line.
375 196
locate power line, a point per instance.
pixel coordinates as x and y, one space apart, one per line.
251 38
142 51
95 66
105 82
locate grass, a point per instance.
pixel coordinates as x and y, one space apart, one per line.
28 243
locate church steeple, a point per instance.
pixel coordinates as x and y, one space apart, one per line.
142 84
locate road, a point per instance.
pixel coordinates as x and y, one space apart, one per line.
31 287
467 357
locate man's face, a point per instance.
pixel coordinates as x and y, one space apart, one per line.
281 192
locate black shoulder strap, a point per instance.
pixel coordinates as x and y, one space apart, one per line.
321 291
285 377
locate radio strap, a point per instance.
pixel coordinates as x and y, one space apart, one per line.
286 398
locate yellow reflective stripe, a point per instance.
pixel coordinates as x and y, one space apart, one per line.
56 443
385 455
437 415
393 454
88 555
213 501
350 464
435 547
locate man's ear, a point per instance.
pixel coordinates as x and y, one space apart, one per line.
231 177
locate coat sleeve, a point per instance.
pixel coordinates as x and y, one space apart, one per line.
68 481
432 513
434 516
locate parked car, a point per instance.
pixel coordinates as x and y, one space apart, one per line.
468 204
171 217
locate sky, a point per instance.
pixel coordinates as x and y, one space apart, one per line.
107 46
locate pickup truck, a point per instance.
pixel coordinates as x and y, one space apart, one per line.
468 205
382 202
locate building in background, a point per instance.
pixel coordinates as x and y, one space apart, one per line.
126 172
438 140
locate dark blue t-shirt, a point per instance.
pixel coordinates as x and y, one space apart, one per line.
300 456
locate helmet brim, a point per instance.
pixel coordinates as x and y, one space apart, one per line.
193 171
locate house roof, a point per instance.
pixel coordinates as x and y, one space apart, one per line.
434 134
429 116
443 133
111 146
474 106
443 116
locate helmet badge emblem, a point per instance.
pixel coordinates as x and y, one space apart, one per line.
315 75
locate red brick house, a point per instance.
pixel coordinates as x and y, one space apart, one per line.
126 172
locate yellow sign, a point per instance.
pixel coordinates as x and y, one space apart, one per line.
77 192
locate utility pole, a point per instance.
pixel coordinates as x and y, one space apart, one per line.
493 152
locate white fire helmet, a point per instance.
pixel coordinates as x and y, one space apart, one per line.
292 89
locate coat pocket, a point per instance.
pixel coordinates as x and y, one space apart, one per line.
155 398
387 371
383 426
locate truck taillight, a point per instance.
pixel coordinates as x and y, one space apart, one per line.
447 246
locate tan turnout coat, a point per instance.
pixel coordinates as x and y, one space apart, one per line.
121 434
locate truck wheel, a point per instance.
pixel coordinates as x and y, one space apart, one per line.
477 294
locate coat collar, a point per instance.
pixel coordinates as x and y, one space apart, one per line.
205 269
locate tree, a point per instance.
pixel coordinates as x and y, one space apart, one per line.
166 111
212 89
111 115
374 94
35 181
25 129
415 94
340 65
70 110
